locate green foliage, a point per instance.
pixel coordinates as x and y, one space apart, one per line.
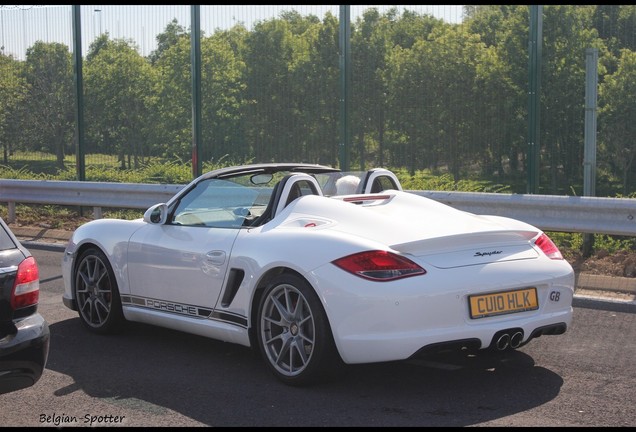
570 242
62 217
567 241
424 180
105 168
12 94
22 173
449 99
614 244
119 99
172 172
619 110
127 214
46 216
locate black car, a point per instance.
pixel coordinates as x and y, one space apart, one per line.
24 333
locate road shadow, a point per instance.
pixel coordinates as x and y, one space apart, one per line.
220 384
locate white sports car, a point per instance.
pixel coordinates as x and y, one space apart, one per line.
273 256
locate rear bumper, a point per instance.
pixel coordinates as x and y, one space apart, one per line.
24 355
399 319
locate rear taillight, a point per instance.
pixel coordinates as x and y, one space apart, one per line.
548 247
26 290
379 265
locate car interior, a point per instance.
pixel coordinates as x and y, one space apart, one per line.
289 188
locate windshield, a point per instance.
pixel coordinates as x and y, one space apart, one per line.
233 201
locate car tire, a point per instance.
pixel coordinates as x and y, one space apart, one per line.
97 294
295 341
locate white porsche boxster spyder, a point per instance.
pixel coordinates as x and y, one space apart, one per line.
274 257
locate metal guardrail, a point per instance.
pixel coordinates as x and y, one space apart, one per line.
85 194
614 216
594 215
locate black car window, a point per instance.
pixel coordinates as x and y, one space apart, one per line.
5 241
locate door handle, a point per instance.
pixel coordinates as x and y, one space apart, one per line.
216 257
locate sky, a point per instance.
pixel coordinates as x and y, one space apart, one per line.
22 25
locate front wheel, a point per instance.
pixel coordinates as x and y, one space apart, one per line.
293 333
96 293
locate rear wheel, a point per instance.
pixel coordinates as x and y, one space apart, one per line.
96 293
293 333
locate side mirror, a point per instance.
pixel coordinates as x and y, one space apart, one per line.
157 214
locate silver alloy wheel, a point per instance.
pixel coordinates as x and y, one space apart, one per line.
93 290
287 330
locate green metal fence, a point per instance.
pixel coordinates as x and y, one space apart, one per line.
494 95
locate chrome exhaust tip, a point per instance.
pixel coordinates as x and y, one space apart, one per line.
503 342
516 339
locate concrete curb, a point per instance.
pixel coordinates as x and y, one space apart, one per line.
606 283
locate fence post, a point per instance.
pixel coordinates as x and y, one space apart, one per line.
589 159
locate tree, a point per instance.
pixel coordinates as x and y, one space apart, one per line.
276 53
173 130
222 95
95 47
374 36
369 47
173 33
616 25
49 100
222 99
120 87
567 34
617 119
314 88
502 80
433 94
12 89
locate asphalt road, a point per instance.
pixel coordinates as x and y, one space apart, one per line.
155 377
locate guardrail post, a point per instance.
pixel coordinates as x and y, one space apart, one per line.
11 209
97 212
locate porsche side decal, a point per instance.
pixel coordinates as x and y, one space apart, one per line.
183 309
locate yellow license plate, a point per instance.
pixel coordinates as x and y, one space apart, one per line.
501 303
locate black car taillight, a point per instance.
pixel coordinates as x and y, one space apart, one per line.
379 265
26 289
